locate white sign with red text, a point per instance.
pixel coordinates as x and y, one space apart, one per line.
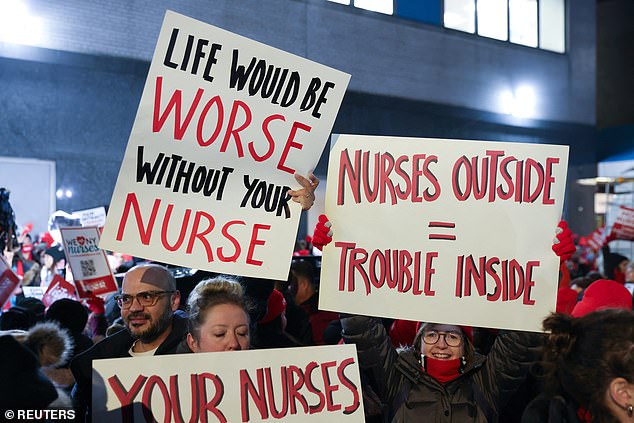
309 384
446 231
92 217
223 125
59 288
89 264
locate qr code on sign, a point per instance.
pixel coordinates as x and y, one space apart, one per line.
88 267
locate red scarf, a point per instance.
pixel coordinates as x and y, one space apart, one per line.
442 370
584 415
619 276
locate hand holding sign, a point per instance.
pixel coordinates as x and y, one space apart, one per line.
563 244
305 195
322 235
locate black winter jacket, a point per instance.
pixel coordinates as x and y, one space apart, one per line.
413 395
545 409
114 346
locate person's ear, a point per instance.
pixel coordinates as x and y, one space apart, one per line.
176 300
191 343
621 392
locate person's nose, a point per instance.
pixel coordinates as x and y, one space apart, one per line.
135 305
442 342
233 344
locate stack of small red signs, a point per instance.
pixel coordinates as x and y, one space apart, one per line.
623 227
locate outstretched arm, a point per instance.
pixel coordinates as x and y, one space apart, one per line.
305 195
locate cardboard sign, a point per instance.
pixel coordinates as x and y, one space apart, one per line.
92 217
33 291
9 281
623 227
89 264
223 125
311 384
59 288
445 231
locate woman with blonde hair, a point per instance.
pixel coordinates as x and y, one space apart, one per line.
218 316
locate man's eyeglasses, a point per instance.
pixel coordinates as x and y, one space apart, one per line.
145 298
453 339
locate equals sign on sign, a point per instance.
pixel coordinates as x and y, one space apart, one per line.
449 225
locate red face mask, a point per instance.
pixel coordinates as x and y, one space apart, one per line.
442 370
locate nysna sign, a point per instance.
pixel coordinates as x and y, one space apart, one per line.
311 384
89 264
446 231
223 125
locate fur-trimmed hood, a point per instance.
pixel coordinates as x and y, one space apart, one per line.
47 340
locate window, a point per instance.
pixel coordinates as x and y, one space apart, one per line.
523 25
493 19
427 11
381 6
532 23
460 15
552 25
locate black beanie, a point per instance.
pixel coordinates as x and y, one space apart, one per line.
70 314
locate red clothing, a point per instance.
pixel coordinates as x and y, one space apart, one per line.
319 319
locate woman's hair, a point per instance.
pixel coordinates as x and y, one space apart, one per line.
210 293
583 355
466 342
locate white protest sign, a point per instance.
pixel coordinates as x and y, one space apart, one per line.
223 125
89 264
444 231
310 384
33 291
92 217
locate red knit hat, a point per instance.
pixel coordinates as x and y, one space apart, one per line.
403 332
603 294
274 307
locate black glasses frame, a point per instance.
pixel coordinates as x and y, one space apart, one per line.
445 336
145 298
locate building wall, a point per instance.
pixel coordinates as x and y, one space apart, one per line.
615 54
74 101
385 55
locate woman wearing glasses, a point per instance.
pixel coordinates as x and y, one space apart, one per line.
441 378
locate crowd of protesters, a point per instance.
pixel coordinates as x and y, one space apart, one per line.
582 371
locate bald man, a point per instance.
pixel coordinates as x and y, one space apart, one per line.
148 301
